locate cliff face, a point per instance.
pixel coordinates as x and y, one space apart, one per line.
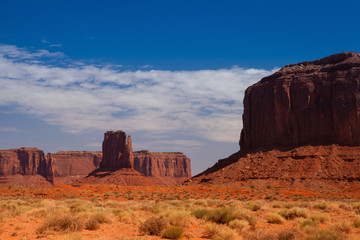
23 161
301 128
75 163
159 164
309 103
117 151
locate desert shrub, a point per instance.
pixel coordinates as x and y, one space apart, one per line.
220 215
211 230
253 206
92 224
343 226
321 205
244 215
325 235
61 223
173 232
177 218
292 213
262 234
226 234
274 218
288 234
319 217
72 236
153 226
101 217
238 224
345 206
356 222
308 223
200 213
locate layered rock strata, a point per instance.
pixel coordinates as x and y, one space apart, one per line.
301 127
160 164
309 103
117 151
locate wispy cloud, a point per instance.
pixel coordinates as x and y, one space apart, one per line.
9 129
204 103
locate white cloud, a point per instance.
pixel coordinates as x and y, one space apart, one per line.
204 103
9 129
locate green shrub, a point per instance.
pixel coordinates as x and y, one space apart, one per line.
173 232
221 215
153 226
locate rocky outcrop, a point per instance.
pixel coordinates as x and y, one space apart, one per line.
23 161
75 163
306 167
301 128
161 164
117 151
309 103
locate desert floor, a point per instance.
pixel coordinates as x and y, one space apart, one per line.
180 212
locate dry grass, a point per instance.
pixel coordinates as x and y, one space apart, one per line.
61 223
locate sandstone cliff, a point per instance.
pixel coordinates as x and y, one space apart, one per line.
117 151
159 164
301 128
23 161
309 103
75 163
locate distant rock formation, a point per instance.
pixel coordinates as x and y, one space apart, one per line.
293 124
309 103
160 164
117 151
75 163
24 166
23 161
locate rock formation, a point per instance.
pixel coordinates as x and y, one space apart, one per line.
25 167
75 163
159 164
301 127
117 151
23 161
309 103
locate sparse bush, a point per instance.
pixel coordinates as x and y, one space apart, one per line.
238 224
101 217
356 222
153 226
319 217
200 213
288 234
321 205
274 218
226 234
177 218
343 227
308 223
325 235
62 223
173 232
92 224
292 213
253 206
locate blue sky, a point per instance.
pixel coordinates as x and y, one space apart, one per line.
170 73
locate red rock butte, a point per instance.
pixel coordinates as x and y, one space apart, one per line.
309 103
301 128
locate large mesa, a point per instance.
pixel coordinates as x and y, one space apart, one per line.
309 103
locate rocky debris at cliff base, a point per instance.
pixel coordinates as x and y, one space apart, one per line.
307 167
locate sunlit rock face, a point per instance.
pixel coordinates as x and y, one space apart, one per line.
309 103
